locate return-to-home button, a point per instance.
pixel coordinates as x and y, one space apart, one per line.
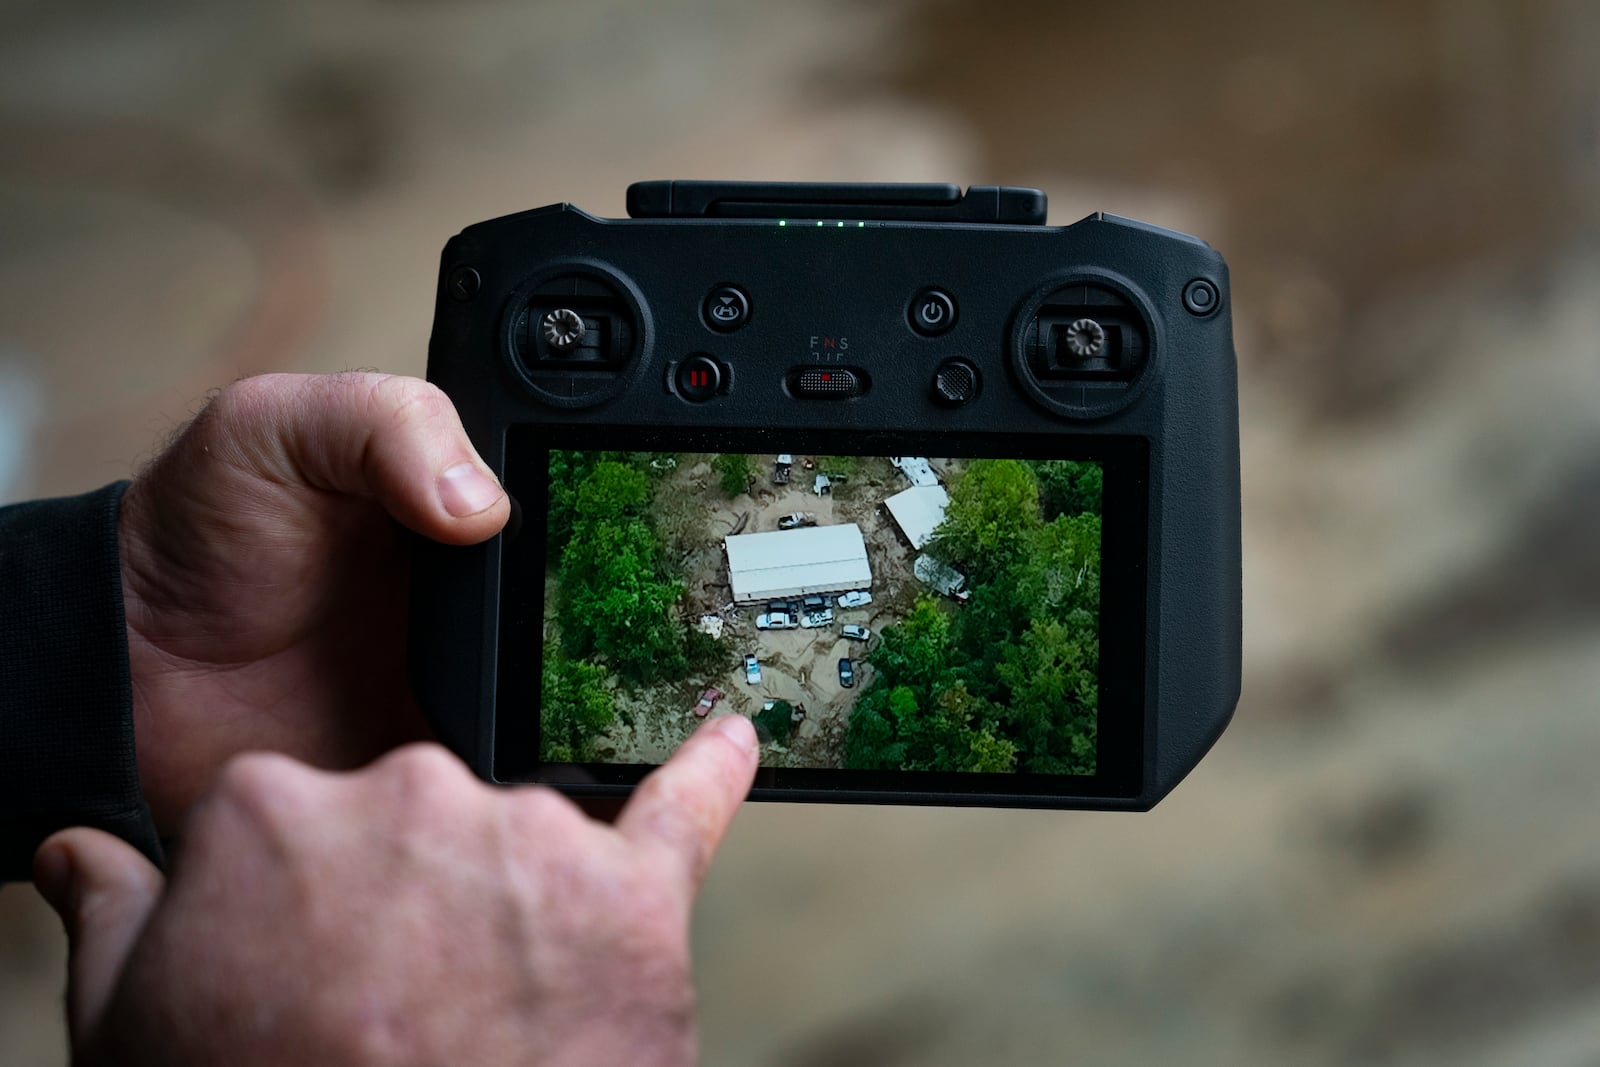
827 383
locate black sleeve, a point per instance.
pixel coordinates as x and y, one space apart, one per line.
66 700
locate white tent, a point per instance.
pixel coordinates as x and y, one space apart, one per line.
786 563
918 511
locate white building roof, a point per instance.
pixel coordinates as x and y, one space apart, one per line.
915 468
785 563
918 511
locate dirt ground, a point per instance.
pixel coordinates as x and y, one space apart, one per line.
1391 859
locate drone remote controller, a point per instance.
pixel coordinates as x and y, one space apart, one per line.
944 499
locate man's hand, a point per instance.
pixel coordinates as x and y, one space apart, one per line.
404 914
264 572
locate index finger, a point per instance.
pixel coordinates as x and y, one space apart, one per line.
684 806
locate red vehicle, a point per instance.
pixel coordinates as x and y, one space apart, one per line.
708 700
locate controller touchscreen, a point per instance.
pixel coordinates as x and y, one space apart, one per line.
868 613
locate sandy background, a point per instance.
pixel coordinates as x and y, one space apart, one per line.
1393 857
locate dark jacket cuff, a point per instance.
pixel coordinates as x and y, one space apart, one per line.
66 698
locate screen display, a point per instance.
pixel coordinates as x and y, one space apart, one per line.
882 619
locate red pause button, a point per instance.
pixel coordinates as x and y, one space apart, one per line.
698 378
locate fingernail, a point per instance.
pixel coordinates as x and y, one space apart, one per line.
738 729
465 490
52 876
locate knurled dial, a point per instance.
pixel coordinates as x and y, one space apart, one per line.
1086 338
955 382
563 328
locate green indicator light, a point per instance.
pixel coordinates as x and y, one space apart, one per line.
841 225
859 225
783 222
819 222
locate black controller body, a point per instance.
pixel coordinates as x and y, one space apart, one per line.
856 319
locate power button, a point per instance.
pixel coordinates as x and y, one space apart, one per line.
932 312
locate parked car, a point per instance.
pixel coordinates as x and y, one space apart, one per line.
859 598
795 520
847 673
708 700
784 607
752 670
816 602
857 633
811 620
776 620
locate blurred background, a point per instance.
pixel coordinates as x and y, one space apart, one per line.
1393 857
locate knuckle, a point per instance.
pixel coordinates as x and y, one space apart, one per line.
236 420
255 774
262 787
402 401
245 400
539 807
425 777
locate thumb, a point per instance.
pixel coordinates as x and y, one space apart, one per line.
104 891
390 437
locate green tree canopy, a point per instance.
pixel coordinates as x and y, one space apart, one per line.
776 723
569 470
615 600
917 650
1060 571
1053 678
1069 487
994 505
735 472
869 741
574 709
611 491
990 754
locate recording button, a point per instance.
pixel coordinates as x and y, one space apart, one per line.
698 378
932 311
726 309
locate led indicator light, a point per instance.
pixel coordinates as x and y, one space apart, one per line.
819 222
827 377
841 225
859 225
783 222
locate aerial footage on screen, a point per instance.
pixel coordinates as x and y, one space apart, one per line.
871 613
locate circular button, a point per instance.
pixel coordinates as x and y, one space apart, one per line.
464 283
932 312
1201 297
698 378
955 382
726 308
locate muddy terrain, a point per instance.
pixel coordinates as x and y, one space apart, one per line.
799 665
